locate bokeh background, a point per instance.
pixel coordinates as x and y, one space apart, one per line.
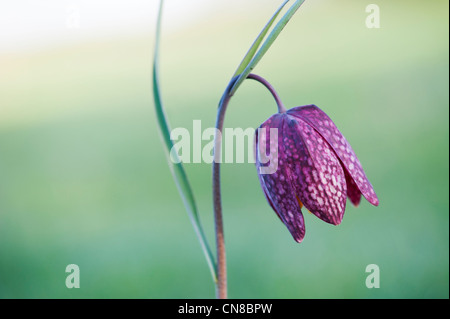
84 179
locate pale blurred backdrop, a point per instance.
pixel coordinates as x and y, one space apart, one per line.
84 179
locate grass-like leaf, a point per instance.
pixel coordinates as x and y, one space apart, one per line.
251 52
265 47
175 164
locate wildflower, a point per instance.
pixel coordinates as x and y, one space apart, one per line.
316 169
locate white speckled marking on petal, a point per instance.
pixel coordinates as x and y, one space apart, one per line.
277 187
325 204
314 116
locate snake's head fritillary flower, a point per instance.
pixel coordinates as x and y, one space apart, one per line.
316 168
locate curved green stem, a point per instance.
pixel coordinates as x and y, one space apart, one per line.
175 163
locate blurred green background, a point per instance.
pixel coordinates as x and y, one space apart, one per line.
84 179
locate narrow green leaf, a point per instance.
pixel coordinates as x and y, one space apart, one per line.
265 47
251 52
173 160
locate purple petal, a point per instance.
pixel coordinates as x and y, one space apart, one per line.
317 175
261 181
315 117
353 192
278 188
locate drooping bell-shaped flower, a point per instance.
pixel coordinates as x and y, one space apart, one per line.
315 167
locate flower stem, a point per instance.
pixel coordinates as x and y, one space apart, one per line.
221 287
281 108
221 264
